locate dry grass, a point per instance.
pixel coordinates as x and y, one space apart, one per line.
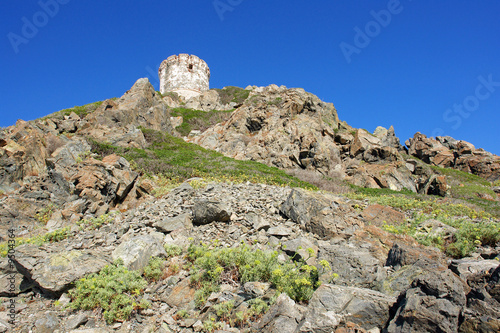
326 183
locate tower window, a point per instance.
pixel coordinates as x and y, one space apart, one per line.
190 67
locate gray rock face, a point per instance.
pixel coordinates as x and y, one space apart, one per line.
167 225
118 121
137 251
283 316
318 214
54 272
205 212
434 303
332 304
355 265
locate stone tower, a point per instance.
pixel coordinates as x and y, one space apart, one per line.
184 74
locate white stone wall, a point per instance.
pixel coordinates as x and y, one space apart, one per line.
184 74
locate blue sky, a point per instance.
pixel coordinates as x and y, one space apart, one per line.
421 65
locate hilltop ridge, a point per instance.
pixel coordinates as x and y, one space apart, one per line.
243 210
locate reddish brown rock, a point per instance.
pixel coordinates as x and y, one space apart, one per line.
378 215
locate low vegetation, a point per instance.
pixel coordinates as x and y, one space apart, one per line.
473 227
114 289
81 111
213 266
470 188
232 94
198 120
49 237
176 160
95 222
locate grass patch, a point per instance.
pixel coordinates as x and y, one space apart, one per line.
49 237
470 188
430 206
232 94
469 234
198 120
175 159
81 111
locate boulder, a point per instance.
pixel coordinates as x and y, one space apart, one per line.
332 305
55 270
137 251
169 224
435 185
434 303
205 212
354 263
283 316
316 213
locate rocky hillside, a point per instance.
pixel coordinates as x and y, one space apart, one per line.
112 222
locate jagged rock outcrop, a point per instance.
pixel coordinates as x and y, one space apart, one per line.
450 153
290 129
117 121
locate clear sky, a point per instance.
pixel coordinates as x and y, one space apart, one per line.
420 65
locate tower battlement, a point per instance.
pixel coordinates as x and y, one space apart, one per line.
184 74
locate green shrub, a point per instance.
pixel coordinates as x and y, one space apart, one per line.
43 216
214 266
95 222
172 250
154 269
114 289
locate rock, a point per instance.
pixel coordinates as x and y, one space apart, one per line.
461 155
403 255
399 280
299 248
377 214
182 294
354 264
315 213
205 212
435 185
258 222
331 305
170 224
54 271
433 228
279 231
256 288
362 142
137 251
283 316
434 302
48 324
71 153
264 116
76 321
12 281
